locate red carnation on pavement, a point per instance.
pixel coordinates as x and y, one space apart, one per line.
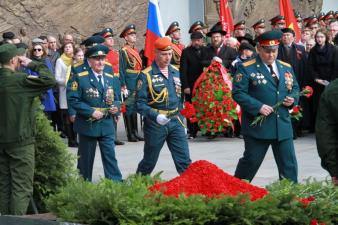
205 178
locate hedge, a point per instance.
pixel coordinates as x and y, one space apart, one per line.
130 202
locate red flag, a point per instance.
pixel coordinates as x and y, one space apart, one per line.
286 10
226 17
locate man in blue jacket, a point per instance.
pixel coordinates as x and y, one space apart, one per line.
259 84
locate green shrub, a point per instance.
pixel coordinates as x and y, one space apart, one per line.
54 164
130 202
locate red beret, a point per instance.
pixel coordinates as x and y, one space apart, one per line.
163 44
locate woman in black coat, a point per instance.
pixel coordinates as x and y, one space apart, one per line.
323 66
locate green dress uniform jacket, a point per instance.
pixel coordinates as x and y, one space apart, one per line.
253 87
157 94
85 95
17 93
327 129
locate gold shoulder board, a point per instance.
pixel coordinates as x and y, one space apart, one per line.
284 63
84 73
78 64
250 62
107 63
109 75
175 67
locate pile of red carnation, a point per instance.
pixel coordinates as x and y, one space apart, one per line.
205 178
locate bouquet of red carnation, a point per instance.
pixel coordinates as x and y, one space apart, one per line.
212 100
189 112
307 92
296 112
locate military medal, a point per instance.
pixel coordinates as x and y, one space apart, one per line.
74 86
109 96
288 81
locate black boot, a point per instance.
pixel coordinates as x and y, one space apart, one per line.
128 123
134 127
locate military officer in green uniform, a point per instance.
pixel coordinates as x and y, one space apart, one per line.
326 130
94 95
17 122
258 85
130 66
159 99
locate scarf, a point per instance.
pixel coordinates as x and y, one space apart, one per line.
67 60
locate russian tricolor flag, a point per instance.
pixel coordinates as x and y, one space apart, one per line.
154 30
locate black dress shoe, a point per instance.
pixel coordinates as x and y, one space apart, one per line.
118 142
138 137
73 144
212 136
132 139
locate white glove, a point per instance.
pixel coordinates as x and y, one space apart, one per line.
217 59
125 92
162 119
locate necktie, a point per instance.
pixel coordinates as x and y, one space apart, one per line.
100 81
273 74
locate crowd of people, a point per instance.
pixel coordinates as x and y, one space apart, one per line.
94 81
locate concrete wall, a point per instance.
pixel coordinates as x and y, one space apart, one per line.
330 5
185 12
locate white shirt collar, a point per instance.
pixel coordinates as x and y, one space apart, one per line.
97 76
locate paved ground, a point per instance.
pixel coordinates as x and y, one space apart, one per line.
224 152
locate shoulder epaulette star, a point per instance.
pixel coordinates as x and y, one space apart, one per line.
284 63
250 62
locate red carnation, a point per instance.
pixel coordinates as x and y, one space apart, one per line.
295 109
314 222
205 178
307 91
123 108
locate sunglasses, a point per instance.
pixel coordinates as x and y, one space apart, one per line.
37 49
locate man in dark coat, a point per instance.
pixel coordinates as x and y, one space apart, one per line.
217 51
190 69
295 55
